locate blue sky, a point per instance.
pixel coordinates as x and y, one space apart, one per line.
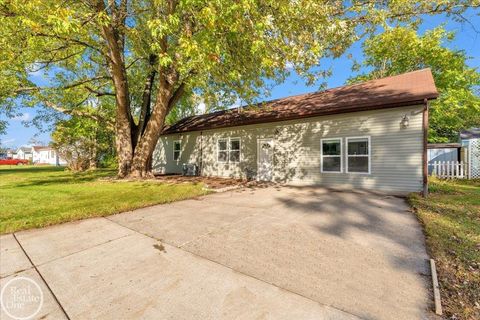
467 39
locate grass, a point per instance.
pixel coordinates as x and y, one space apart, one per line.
451 219
33 197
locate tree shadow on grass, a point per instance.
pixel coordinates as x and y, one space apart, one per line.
65 178
29 169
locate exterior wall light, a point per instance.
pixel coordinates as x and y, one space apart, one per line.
405 121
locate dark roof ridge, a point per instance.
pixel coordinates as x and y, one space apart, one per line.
407 88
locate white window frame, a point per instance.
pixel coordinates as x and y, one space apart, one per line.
179 151
228 140
331 156
369 154
239 149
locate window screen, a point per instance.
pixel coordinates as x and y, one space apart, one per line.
358 157
331 155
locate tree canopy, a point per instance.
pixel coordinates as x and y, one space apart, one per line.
148 57
402 49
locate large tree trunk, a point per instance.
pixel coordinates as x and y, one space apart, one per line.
146 144
135 144
123 118
123 144
167 97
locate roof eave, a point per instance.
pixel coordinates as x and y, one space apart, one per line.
352 109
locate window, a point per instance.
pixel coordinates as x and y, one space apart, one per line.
228 150
358 155
234 150
222 155
331 155
177 148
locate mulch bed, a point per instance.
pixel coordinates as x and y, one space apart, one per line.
210 182
214 183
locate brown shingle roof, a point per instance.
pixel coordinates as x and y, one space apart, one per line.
405 89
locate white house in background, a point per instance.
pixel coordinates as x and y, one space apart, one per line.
24 153
46 155
12 154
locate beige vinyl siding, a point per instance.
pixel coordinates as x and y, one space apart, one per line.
396 153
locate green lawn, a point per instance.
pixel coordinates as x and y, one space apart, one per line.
32 197
451 219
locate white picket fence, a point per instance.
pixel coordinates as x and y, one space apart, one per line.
450 169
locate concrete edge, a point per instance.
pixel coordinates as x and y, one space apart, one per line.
225 189
436 288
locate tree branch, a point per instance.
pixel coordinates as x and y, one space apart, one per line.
80 113
176 96
70 86
146 111
99 93
76 41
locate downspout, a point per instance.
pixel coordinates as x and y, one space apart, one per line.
201 153
425 142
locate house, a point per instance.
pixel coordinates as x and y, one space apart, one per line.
38 155
371 135
46 155
24 153
11 154
470 142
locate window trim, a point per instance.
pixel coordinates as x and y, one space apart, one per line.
179 151
228 140
331 156
369 155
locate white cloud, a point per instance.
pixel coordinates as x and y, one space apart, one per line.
201 107
35 70
9 141
24 117
289 65
236 104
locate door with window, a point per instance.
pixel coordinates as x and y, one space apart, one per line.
265 160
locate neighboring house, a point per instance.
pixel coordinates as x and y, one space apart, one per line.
370 135
470 141
46 155
442 152
24 153
12 154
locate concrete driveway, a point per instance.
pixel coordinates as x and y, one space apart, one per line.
272 253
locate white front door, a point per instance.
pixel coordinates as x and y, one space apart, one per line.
265 159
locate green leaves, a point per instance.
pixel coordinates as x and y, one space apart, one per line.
220 50
401 49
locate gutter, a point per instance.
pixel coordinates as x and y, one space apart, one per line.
425 146
201 154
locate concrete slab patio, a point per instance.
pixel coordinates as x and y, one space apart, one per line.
272 253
